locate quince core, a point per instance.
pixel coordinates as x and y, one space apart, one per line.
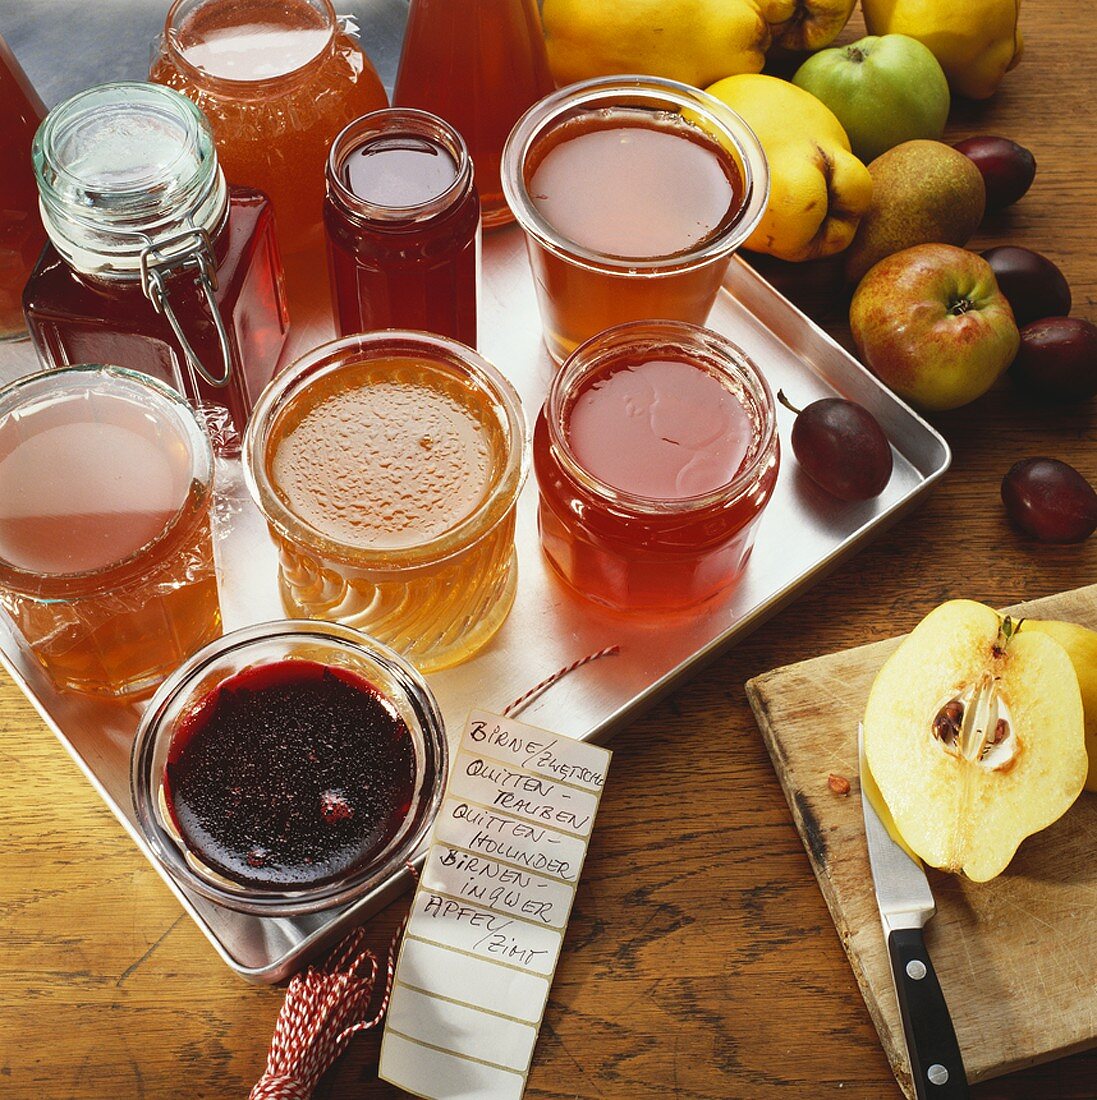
974 734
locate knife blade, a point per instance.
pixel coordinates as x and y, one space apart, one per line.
906 904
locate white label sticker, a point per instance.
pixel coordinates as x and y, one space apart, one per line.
489 915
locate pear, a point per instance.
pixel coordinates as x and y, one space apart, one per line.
923 192
974 734
1081 646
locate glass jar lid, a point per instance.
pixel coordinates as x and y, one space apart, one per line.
122 166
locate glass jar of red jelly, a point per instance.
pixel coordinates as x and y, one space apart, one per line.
21 232
288 767
656 453
154 264
403 226
277 79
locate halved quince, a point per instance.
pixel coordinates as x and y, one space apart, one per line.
1081 646
974 735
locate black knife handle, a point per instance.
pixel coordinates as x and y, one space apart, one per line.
935 1061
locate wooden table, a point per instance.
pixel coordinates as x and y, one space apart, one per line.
700 961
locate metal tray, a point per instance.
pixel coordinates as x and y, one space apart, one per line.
802 535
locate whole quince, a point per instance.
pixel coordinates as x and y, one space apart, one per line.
976 42
694 41
818 188
807 24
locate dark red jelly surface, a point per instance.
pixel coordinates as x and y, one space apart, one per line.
291 774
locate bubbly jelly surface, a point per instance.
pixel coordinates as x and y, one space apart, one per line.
291 774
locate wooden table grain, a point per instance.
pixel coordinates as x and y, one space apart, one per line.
700 960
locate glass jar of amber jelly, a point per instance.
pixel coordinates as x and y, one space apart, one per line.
277 79
656 453
288 767
388 467
154 264
106 559
633 192
403 226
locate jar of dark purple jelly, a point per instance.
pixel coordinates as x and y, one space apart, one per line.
288 767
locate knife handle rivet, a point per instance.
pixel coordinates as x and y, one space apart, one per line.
937 1074
916 969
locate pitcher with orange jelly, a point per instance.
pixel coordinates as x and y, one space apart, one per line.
278 79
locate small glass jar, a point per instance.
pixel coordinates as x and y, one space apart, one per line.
388 467
277 79
478 64
651 500
154 264
633 193
106 560
21 232
265 656
403 226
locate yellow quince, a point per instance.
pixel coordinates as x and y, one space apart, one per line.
977 42
807 24
818 189
694 41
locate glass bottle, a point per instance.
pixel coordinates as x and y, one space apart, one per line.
154 263
478 64
21 232
277 79
403 226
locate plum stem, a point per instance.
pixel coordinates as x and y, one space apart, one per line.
787 403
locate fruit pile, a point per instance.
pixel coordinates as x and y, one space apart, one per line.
858 167
980 731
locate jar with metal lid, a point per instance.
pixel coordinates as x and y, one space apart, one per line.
154 264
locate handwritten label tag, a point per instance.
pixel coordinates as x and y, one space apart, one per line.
490 911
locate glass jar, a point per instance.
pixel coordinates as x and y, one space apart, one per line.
290 810
388 467
153 263
106 561
277 79
21 232
633 192
478 64
403 226
656 453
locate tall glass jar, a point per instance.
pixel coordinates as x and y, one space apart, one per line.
403 226
153 263
478 64
278 79
21 232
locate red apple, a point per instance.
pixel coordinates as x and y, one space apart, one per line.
932 324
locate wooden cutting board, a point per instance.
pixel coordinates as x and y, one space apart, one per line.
1017 956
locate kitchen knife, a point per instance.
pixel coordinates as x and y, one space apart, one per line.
906 904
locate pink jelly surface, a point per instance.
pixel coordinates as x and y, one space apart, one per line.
661 429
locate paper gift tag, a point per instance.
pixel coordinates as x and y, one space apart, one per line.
490 911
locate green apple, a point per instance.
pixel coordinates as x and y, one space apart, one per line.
884 91
932 324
